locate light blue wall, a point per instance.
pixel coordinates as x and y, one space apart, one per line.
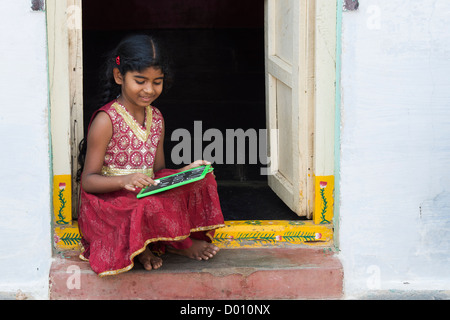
395 146
25 226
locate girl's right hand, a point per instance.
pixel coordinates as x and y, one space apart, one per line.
138 180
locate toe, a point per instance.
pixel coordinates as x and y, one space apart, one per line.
211 251
148 266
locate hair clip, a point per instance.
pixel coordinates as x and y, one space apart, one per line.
118 60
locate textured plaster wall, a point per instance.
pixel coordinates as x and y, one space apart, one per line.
25 227
395 146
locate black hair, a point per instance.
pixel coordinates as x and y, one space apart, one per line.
133 53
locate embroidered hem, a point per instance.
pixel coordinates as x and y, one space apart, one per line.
146 243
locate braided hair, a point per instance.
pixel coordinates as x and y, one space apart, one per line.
133 53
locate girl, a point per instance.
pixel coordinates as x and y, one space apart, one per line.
124 153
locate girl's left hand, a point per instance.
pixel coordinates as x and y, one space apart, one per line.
196 164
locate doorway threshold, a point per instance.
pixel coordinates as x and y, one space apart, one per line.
273 233
249 212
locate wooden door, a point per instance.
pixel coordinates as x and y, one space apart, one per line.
289 38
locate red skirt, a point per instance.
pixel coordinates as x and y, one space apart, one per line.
116 226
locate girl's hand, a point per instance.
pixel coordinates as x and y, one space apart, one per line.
196 164
138 180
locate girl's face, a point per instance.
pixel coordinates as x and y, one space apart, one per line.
140 89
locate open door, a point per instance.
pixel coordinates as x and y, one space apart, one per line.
289 55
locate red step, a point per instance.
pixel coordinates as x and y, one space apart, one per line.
266 273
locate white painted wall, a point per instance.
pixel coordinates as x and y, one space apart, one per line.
395 145
25 226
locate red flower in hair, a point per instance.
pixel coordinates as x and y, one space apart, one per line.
118 60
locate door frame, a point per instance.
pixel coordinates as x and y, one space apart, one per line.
65 67
326 115
64 28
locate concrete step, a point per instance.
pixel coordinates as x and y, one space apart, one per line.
254 273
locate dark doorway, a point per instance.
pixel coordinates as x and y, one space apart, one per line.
217 48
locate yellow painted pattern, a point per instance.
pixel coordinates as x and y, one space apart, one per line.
324 199
269 233
237 234
67 237
62 199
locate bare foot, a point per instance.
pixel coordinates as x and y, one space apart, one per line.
149 260
200 250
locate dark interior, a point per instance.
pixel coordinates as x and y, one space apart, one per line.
217 49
